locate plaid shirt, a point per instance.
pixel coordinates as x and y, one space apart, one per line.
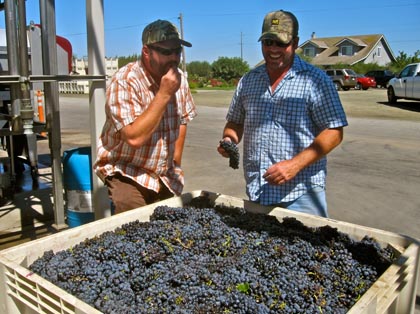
129 94
279 125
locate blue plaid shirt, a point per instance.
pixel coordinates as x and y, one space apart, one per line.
279 125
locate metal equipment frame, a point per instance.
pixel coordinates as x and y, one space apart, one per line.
21 117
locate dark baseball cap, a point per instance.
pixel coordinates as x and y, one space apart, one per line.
280 25
161 30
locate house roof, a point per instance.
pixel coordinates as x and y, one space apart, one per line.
319 43
330 46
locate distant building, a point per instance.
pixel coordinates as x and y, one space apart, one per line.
350 50
80 67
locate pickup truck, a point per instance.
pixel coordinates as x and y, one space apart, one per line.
406 85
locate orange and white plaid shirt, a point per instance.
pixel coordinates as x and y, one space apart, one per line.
129 93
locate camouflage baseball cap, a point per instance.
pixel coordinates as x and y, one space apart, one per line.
280 25
161 30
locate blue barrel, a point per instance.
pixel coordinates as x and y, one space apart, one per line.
77 175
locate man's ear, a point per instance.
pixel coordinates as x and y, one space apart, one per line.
145 50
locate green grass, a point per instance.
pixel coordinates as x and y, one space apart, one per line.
217 88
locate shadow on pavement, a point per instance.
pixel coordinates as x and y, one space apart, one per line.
413 106
29 213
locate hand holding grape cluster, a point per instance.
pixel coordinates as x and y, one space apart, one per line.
232 149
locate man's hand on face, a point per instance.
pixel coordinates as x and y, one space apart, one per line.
171 81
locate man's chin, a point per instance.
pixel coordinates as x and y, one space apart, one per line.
274 64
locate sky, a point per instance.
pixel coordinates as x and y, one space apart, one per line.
231 28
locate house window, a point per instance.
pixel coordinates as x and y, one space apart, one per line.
379 51
309 52
346 50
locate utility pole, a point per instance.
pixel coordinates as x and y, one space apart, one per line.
184 64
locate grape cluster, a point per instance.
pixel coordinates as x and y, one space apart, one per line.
198 259
232 149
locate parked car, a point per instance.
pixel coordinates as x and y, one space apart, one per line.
406 85
382 77
364 82
342 78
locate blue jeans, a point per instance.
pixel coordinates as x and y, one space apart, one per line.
313 202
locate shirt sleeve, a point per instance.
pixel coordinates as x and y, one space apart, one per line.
328 111
184 97
236 113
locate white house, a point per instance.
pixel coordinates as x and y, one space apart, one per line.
349 50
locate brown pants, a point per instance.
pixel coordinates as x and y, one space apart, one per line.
127 194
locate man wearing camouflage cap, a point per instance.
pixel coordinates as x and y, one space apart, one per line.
289 115
148 106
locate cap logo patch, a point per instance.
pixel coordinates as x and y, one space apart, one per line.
275 22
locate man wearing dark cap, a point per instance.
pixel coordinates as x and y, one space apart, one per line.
148 106
289 115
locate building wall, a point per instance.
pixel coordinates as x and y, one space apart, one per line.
378 55
80 67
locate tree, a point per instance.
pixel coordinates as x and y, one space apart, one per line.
125 60
403 59
229 69
199 69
